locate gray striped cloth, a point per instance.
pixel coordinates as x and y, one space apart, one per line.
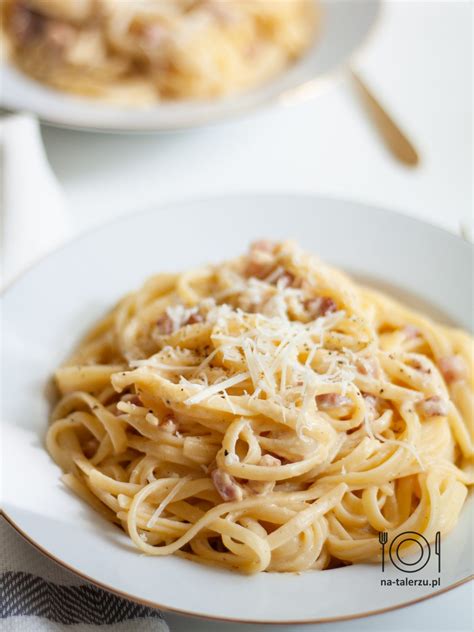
37 594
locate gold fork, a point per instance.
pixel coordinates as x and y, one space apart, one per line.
396 141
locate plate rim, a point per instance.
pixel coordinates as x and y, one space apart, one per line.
160 207
157 209
313 84
156 606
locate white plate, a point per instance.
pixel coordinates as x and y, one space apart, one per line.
50 307
344 29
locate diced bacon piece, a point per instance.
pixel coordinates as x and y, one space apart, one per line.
136 401
434 406
319 306
251 51
25 24
263 245
411 332
260 260
264 487
90 447
453 368
226 485
154 36
367 366
59 35
194 318
327 401
257 269
164 325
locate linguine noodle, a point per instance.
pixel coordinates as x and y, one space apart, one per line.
267 414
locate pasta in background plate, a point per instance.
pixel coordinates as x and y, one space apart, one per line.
141 51
267 414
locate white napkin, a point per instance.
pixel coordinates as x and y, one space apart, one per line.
33 212
36 594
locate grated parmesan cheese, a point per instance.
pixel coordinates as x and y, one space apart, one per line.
167 499
207 392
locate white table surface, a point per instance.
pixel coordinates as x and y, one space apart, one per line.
419 61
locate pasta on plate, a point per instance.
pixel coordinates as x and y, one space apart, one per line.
140 51
267 414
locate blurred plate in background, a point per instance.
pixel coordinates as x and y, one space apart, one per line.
345 27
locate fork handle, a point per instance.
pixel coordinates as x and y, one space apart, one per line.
394 138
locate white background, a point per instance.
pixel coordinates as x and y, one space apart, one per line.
419 61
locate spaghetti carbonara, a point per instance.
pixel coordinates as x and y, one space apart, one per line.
267 414
138 51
